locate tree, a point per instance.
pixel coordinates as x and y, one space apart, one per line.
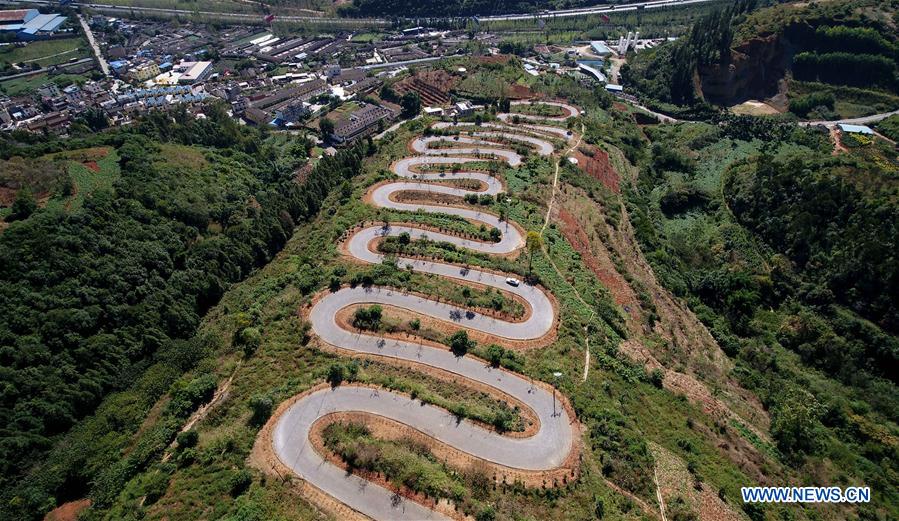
495 354
336 374
795 423
261 407
387 93
459 343
23 206
411 104
95 119
367 318
534 243
326 126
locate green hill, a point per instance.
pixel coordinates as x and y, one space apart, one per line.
819 59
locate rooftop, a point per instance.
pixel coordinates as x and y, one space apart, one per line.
855 129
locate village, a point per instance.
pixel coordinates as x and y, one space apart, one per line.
344 85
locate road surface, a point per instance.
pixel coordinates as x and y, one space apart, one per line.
865 120
551 444
104 67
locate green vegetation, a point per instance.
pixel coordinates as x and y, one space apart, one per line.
106 294
890 127
403 463
666 73
41 53
784 253
26 84
842 50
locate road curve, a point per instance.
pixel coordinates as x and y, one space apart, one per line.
548 448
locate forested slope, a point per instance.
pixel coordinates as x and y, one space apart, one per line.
824 52
107 295
788 255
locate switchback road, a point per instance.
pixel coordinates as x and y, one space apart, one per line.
549 447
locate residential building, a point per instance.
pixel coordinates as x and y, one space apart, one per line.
49 90
361 123
144 71
302 92
291 113
257 116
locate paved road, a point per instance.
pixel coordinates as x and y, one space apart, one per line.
865 120
94 47
546 449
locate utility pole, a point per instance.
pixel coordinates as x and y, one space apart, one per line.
556 376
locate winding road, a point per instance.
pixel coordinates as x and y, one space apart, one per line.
551 444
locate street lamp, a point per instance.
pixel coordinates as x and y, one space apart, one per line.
556 376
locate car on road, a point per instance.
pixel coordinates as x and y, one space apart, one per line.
513 282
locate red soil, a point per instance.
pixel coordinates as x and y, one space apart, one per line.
595 162
575 235
68 511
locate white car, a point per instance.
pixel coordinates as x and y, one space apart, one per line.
512 282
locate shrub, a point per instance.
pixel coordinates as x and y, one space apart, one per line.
459 343
261 407
240 482
802 105
368 318
187 439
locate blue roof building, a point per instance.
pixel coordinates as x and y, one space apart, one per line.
30 24
600 48
856 129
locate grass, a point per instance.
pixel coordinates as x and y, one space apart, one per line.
87 180
44 52
367 37
24 85
851 102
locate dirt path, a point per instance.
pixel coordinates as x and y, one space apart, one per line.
220 395
549 209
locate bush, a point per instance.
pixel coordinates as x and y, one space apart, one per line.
187 397
368 318
240 482
261 405
802 105
249 338
187 439
656 377
23 206
459 343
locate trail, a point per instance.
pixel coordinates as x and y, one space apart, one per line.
553 444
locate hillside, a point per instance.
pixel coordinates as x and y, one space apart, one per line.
710 333
110 258
830 58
